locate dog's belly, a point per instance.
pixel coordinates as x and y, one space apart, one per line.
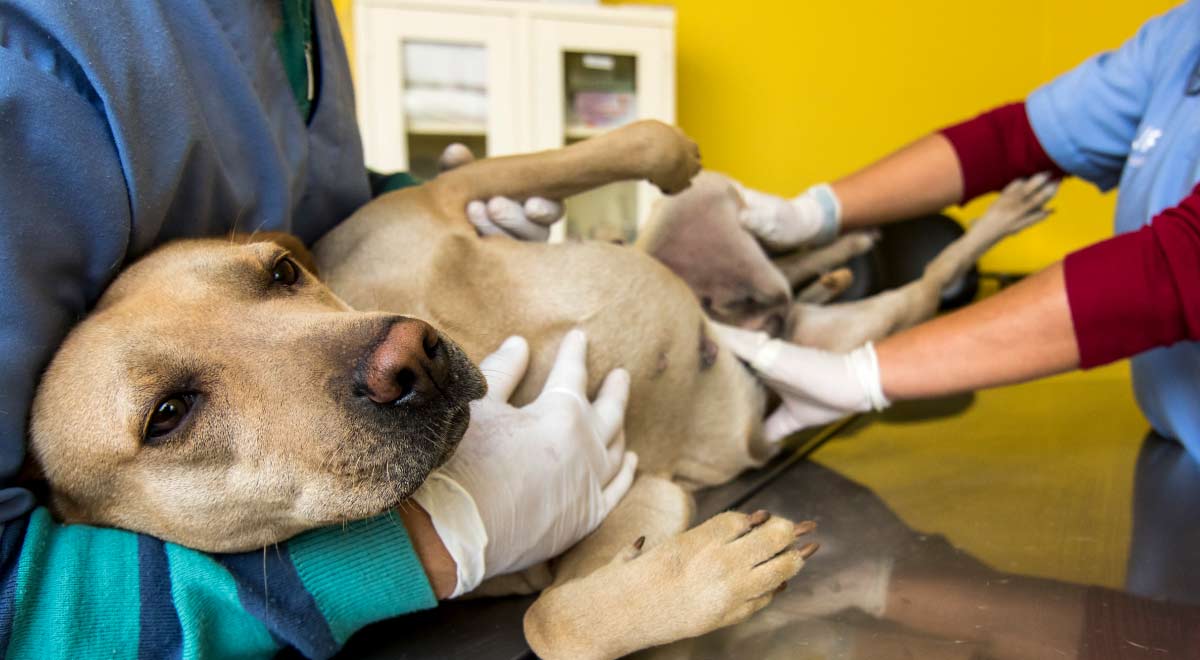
694 412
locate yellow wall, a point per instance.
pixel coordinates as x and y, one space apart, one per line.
783 93
345 17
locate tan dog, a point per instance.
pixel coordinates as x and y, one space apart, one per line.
222 397
697 235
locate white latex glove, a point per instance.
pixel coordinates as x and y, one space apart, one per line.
501 216
811 218
817 387
527 483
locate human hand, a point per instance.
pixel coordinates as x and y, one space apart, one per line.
527 483
500 216
817 387
811 218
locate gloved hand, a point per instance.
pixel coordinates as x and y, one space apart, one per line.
501 216
811 218
527 483
817 387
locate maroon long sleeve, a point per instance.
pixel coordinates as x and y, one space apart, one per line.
1139 290
1128 294
997 147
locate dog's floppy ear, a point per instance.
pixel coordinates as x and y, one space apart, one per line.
287 241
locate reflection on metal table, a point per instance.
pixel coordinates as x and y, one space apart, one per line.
1037 521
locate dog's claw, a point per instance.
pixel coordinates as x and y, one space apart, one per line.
758 517
641 541
805 527
809 550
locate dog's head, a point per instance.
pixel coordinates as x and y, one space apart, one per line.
697 235
221 397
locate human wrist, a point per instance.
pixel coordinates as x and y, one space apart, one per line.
863 364
437 561
459 527
821 203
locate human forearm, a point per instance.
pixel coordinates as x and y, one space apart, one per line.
957 164
1022 333
1139 290
1112 300
920 178
438 564
951 166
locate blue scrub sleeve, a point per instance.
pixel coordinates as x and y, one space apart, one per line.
64 204
65 211
1087 118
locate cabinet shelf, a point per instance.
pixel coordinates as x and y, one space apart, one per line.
434 127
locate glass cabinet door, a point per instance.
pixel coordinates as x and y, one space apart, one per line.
445 100
428 79
592 78
600 94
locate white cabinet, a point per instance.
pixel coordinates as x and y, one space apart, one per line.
505 77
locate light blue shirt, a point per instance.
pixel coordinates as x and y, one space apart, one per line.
1125 118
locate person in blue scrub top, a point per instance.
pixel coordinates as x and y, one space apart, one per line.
124 125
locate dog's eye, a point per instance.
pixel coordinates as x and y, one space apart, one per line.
285 272
168 415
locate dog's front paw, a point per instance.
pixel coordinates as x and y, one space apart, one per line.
709 577
730 567
672 159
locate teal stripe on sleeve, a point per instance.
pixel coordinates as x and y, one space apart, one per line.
361 577
214 623
77 592
386 183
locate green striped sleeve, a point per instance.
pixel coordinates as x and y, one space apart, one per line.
215 625
76 592
375 577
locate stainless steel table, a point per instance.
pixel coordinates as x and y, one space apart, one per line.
1041 540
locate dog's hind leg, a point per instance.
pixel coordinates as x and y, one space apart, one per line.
827 287
846 326
800 266
1021 205
649 150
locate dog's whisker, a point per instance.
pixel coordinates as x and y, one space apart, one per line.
266 586
237 219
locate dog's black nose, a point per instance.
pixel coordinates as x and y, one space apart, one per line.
408 364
